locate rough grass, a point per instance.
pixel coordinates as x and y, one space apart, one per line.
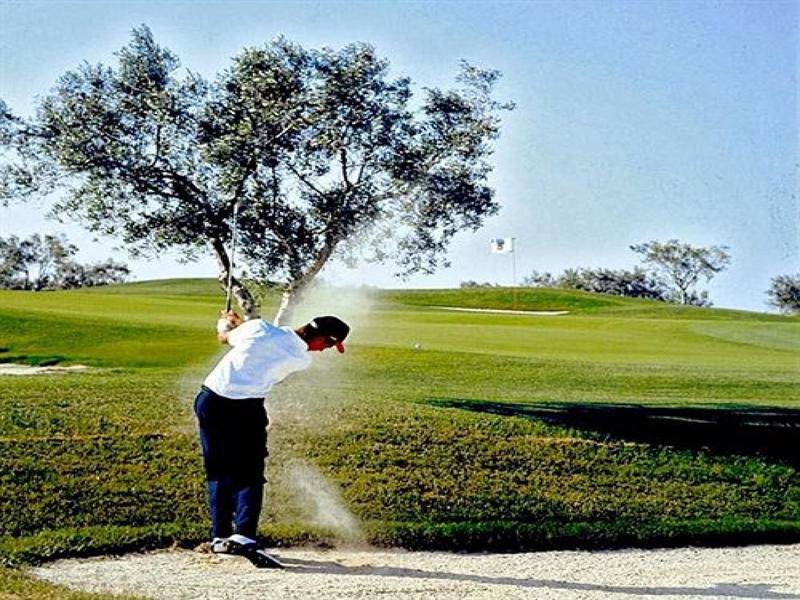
423 465
470 441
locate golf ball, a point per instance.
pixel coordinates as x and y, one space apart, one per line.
417 346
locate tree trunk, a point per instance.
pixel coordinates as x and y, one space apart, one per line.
286 309
239 292
296 288
289 300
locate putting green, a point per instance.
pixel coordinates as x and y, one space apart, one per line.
780 336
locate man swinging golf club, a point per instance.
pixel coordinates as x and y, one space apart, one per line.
233 421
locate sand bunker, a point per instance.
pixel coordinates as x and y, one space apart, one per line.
11 369
677 574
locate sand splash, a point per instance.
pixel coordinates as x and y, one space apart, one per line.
321 501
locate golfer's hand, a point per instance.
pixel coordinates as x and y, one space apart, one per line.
231 318
228 320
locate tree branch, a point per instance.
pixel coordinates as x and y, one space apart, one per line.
297 286
303 178
243 297
157 155
248 170
343 161
361 169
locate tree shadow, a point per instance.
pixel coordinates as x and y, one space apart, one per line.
726 590
771 433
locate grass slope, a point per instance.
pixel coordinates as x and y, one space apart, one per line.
442 429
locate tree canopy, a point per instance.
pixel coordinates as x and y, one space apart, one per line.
47 262
681 266
784 293
320 152
637 283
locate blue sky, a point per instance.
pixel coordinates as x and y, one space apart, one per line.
635 120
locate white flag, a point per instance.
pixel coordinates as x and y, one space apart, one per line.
502 245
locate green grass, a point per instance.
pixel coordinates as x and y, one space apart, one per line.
207 288
578 302
468 442
471 470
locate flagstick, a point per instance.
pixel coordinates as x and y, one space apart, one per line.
514 268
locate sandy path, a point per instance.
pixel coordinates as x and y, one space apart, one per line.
502 311
685 574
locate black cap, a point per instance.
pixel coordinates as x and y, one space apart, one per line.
332 327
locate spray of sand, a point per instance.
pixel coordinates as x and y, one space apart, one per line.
321 502
318 398
314 402
353 304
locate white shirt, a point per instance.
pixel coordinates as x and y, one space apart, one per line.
261 356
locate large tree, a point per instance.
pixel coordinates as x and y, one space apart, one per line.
318 152
681 266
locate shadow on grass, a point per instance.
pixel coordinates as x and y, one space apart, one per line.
770 433
35 360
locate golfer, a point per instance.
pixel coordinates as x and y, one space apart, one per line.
233 420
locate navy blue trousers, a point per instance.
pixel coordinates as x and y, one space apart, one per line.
233 435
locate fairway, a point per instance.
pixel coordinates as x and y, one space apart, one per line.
437 429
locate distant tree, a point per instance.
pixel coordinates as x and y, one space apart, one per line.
320 151
95 274
34 263
475 284
537 279
15 259
47 263
784 293
681 266
633 284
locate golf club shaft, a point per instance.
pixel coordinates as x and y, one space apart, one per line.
228 299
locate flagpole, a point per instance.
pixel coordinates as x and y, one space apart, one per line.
514 268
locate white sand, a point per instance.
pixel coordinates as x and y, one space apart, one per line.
679 574
12 369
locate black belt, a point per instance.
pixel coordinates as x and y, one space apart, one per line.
210 391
